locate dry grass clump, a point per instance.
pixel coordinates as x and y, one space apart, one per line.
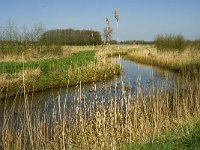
186 57
8 79
73 49
10 84
99 123
8 58
28 73
92 72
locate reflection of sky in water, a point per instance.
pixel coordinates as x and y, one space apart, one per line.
132 74
132 71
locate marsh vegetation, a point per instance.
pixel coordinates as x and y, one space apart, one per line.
98 122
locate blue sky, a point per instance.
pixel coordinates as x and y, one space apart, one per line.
139 19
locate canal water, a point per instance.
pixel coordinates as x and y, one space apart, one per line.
133 75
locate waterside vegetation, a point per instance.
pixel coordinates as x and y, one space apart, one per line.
177 61
43 74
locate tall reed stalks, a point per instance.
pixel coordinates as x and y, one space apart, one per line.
100 123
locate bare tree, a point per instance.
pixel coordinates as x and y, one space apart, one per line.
11 31
37 31
2 33
25 34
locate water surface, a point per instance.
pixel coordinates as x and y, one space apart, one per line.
133 74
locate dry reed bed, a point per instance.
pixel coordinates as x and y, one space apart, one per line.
175 61
187 60
104 124
7 79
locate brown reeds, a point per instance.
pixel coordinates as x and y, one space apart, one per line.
100 123
172 60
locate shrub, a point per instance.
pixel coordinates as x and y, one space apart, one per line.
197 44
170 42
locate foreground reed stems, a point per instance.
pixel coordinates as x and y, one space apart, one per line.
94 122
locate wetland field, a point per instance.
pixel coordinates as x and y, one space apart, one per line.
100 97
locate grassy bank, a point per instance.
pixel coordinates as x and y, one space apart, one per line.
49 73
184 61
183 137
47 66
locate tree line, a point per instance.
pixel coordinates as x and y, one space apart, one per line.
15 40
11 34
139 42
70 37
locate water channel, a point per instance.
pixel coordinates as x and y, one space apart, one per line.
132 75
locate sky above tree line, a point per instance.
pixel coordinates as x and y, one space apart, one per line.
139 19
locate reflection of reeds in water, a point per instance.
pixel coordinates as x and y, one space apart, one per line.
99 124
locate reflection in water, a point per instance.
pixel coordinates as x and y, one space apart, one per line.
133 75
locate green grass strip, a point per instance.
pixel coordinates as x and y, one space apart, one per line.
183 138
48 65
